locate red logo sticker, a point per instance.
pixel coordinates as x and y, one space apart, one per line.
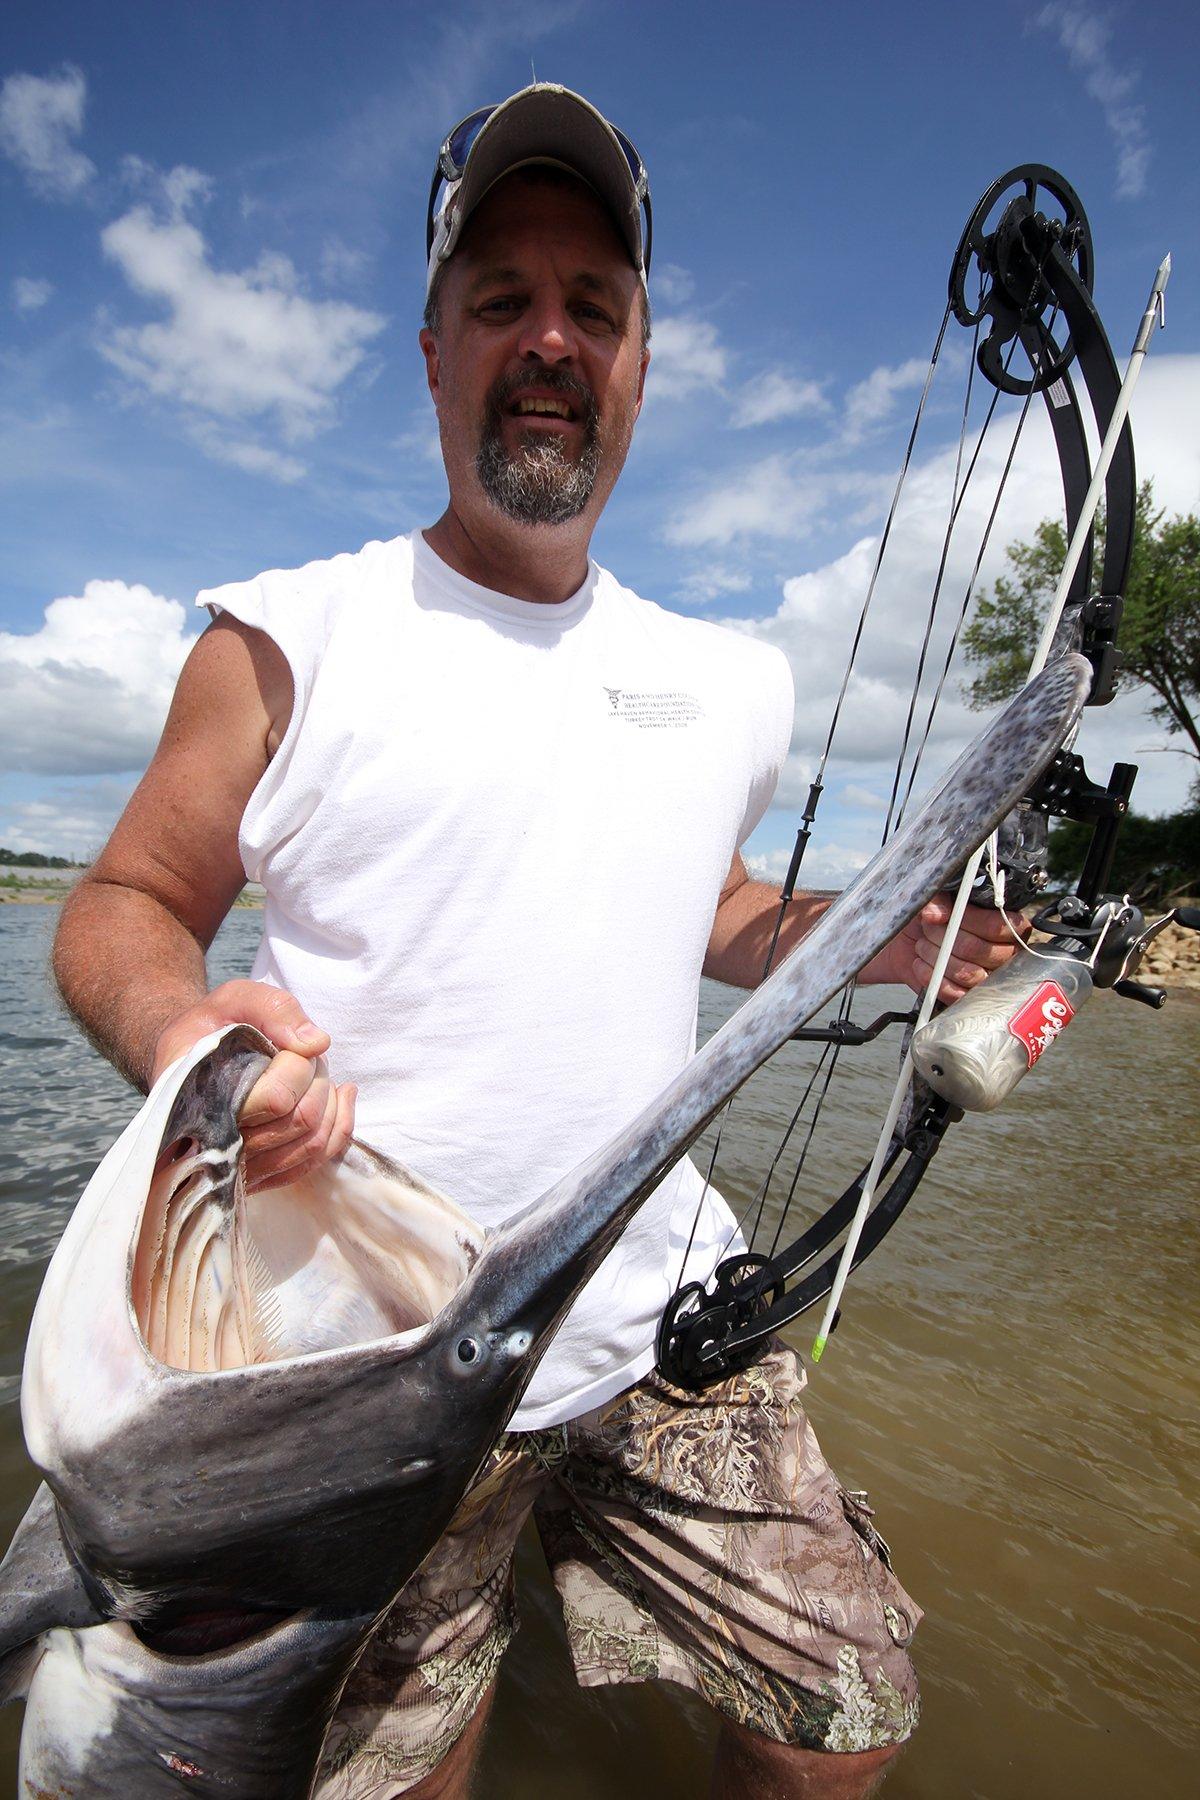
1046 1012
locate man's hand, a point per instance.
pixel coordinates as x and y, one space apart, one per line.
985 942
294 1118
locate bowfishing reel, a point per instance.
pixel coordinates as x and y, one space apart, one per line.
976 1051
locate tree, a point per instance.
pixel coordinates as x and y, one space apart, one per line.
1160 631
33 859
1157 859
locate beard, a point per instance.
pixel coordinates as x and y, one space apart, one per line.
538 483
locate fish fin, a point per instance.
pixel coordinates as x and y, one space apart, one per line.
16 1671
41 1588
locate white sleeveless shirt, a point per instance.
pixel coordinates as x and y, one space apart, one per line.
492 841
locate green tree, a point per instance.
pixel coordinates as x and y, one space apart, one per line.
1160 631
1157 859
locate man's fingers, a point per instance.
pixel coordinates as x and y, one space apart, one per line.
986 938
343 1125
280 1088
977 952
286 1162
959 970
991 925
985 922
294 1126
280 1165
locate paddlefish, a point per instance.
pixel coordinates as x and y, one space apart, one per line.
255 1414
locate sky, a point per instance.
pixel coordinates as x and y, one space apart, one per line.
213 230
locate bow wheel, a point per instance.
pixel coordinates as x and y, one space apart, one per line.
1026 218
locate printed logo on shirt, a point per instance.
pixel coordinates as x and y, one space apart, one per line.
667 709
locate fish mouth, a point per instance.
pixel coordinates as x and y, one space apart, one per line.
220 1279
205 1631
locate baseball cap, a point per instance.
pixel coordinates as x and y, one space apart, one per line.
543 123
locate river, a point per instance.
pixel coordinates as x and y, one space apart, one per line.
1014 1381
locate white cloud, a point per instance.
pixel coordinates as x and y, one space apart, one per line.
1085 38
686 356
855 795
178 189
73 821
29 293
88 691
780 497
421 442
826 865
785 495
235 345
774 395
672 284
342 266
1166 427
175 190
818 611
245 453
710 582
870 402
39 118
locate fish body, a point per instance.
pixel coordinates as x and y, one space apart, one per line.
256 1415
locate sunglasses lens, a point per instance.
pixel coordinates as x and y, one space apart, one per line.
463 136
631 155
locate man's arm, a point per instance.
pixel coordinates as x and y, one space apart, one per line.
744 921
747 910
129 952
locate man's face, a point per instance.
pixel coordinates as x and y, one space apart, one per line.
537 366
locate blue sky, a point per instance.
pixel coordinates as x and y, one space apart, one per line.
213 223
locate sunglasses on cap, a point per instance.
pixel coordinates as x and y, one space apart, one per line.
458 144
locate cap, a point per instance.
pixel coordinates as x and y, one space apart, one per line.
543 123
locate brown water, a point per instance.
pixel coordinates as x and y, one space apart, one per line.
1014 1381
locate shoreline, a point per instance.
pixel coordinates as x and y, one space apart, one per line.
1172 961
32 895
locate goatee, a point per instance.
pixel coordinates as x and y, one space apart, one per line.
539 483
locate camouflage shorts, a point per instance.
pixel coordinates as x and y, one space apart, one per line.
700 1538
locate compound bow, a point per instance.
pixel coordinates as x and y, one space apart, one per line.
1034 272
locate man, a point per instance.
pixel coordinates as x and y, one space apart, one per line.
496 802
